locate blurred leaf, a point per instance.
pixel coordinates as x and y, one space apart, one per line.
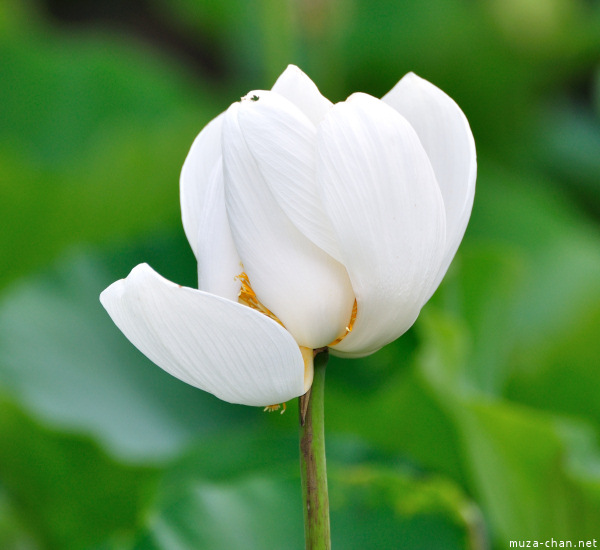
480 289
71 493
544 29
519 460
402 416
521 467
245 514
561 373
259 505
521 324
375 508
568 146
517 208
93 135
64 361
75 85
13 533
532 307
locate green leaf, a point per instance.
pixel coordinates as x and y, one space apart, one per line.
390 508
402 415
14 535
258 505
535 474
251 513
94 132
67 493
522 467
533 307
561 373
63 360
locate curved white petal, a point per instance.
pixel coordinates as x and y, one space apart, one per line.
195 176
307 289
219 346
204 216
384 203
218 261
447 138
283 143
296 87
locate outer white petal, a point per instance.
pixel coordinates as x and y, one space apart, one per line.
447 138
307 289
204 216
218 261
204 155
385 205
219 346
296 87
283 143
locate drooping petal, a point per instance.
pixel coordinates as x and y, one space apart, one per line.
283 143
305 287
218 261
219 346
195 176
384 203
447 138
296 87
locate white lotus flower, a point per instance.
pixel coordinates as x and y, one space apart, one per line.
313 225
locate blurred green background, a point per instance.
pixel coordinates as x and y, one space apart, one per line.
478 426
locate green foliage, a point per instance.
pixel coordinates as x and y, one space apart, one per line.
68 490
91 131
478 426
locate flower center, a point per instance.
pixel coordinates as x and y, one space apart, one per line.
248 297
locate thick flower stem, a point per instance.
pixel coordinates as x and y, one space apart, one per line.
312 460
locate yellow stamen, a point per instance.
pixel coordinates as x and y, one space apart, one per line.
348 328
247 296
272 408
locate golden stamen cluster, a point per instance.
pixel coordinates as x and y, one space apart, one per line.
247 296
273 408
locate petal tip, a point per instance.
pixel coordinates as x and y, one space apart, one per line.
413 79
293 72
293 68
410 75
117 289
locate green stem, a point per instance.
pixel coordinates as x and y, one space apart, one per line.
312 460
